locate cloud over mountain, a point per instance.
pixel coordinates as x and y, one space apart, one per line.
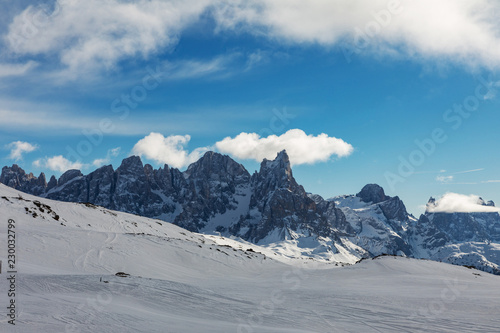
301 148
57 163
460 203
170 150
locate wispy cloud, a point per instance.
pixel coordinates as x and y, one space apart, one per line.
492 93
62 120
491 181
428 172
43 120
444 179
468 171
99 162
18 148
16 69
448 179
188 69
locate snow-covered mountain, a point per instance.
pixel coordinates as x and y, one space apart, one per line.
383 226
218 196
172 280
379 222
471 239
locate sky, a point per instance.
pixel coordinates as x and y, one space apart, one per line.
404 94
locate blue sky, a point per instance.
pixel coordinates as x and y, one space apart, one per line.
388 92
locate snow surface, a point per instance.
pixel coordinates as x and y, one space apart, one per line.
187 282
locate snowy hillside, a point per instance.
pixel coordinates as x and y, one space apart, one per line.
68 255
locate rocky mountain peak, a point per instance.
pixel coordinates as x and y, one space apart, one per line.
68 175
372 193
484 203
131 165
216 166
11 175
15 168
277 173
281 161
52 183
42 181
430 205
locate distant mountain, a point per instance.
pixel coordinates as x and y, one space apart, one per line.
470 239
379 221
217 195
382 225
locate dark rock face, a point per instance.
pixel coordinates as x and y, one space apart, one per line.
52 183
15 177
372 193
394 210
430 237
212 187
278 202
132 191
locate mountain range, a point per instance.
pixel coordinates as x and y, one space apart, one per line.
217 195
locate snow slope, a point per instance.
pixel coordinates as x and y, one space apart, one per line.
180 281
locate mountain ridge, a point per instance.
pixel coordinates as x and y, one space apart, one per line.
217 195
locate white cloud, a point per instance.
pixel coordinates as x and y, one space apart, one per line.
58 163
92 34
99 162
491 181
460 203
18 148
16 69
462 31
84 38
301 148
444 179
170 150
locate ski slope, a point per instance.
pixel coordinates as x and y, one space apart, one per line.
68 254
